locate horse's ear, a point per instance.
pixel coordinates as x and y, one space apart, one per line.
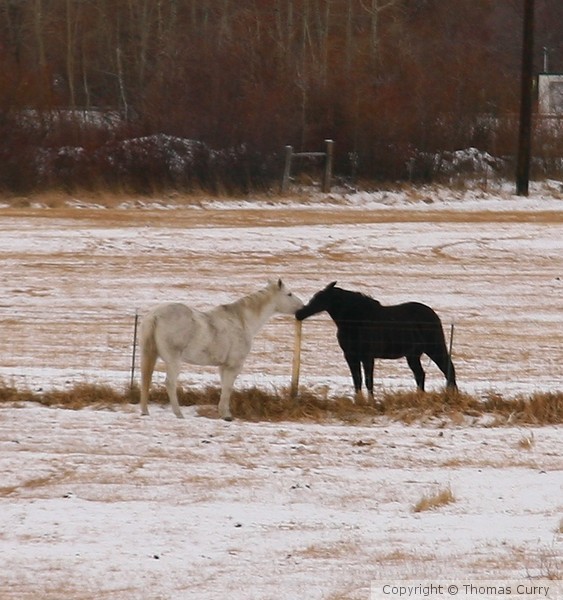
280 283
330 285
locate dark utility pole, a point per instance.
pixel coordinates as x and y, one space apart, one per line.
525 136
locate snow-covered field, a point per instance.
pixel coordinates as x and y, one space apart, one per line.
105 504
98 504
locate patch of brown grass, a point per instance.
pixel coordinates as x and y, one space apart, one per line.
435 500
527 441
416 406
254 404
329 551
540 408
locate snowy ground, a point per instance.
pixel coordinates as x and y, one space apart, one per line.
98 504
104 504
490 265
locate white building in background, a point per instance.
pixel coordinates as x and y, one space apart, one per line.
550 95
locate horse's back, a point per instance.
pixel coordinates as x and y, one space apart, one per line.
418 320
172 323
204 338
412 312
407 313
171 310
168 316
391 331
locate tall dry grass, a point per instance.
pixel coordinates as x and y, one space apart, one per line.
434 500
254 404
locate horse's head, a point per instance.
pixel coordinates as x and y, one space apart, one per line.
286 302
319 302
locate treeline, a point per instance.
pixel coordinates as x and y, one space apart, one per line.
393 82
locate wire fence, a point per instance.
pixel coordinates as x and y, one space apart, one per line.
47 348
55 347
512 356
51 348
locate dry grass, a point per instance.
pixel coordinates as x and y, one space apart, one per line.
253 404
527 441
435 500
544 563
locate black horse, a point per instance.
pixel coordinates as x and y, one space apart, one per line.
367 330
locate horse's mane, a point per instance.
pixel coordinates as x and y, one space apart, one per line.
252 300
359 298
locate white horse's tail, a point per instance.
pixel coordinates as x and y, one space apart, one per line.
149 354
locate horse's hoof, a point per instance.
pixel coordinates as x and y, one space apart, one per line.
227 418
359 399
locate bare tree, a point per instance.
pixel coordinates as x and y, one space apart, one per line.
374 8
39 33
70 52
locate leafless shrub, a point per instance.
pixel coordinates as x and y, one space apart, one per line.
544 563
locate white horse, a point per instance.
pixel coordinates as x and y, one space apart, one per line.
222 337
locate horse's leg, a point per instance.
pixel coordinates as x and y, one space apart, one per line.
450 374
228 376
355 369
172 372
445 364
148 360
368 364
416 368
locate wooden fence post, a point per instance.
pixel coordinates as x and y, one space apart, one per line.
296 364
328 166
328 160
286 169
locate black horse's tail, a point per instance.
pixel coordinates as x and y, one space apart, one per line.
434 343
